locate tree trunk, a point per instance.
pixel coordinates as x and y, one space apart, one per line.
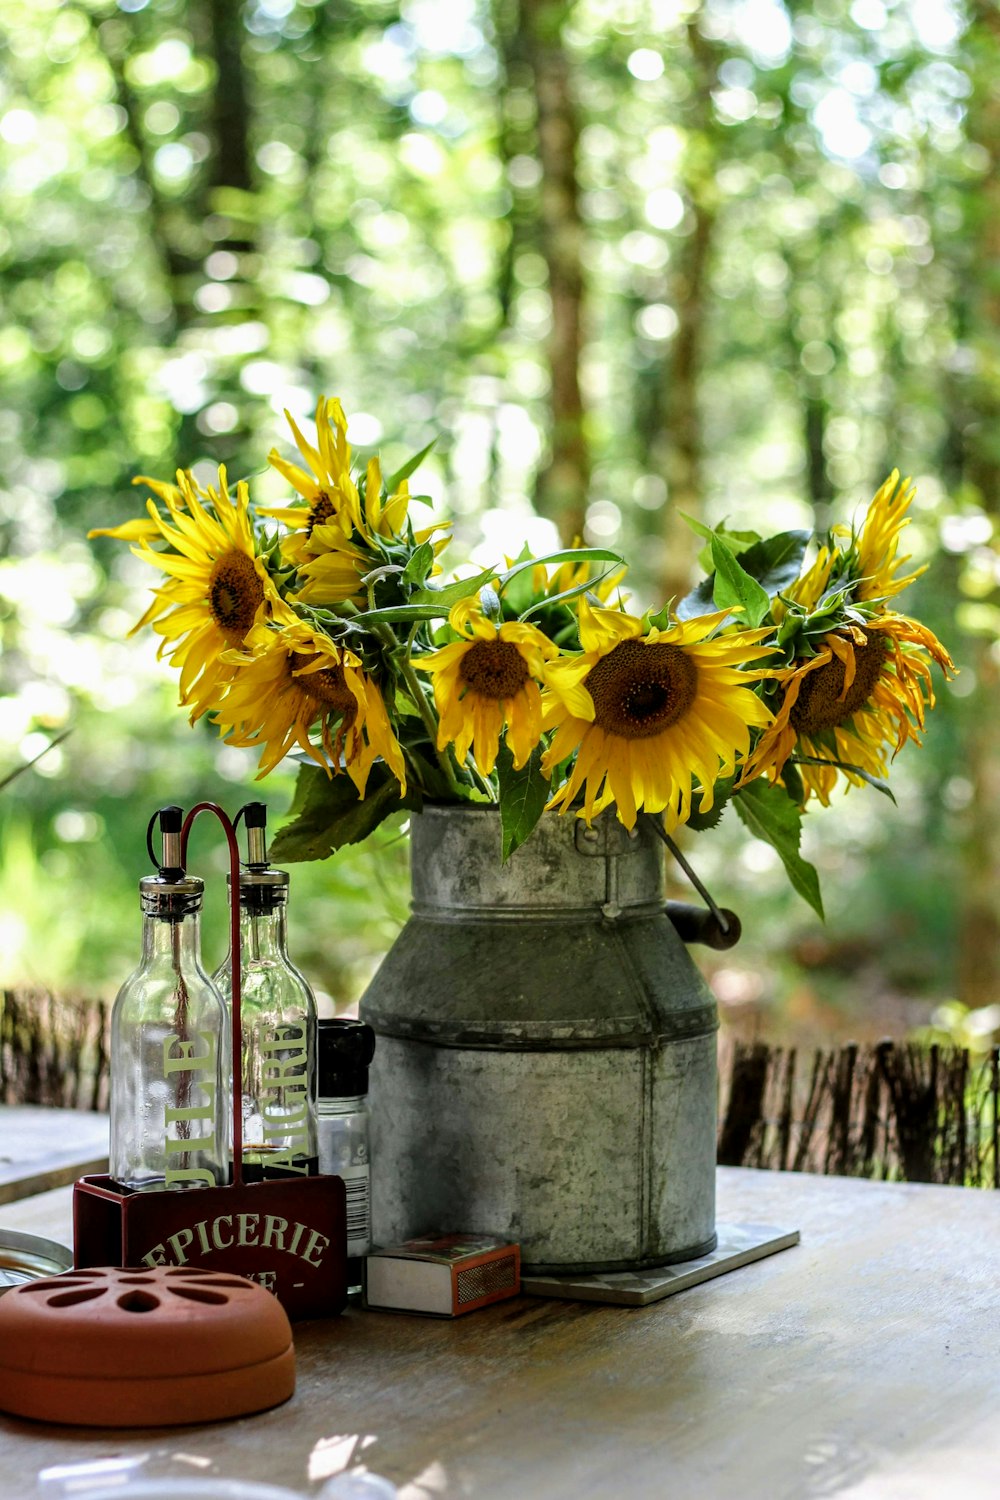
979 921
561 486
675 447
514 137
679 449
230 199
230 110
180 267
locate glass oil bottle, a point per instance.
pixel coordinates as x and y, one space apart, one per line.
278 1022
169 1041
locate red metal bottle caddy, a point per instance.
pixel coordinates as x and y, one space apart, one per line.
289 1234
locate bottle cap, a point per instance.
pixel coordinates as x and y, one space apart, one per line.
346 1047
170 822
172 896
262 887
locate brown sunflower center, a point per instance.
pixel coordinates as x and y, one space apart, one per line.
639 690
234 594
328 686
319 512
822 702
494 669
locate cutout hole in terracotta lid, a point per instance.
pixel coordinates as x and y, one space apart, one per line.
140 1302
44 1286
198 1294
82 1294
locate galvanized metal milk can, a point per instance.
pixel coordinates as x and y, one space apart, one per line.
545 1067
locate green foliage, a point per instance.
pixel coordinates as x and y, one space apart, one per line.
419 565
702 818
735 589
735 563
770 814
438 601
327 813
776 561
523 795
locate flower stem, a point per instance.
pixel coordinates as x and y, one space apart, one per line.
415 689
484 781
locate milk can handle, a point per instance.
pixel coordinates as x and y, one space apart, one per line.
715 926
698 924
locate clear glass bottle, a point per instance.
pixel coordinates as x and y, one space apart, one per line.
169 1043
346 1048
278 1023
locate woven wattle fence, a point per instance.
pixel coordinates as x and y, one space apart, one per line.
895 1111
53 1050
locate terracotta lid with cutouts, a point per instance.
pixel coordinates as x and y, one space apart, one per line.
106 1347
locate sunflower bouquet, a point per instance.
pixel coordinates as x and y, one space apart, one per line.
325 629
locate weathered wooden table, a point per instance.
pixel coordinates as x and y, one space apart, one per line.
44 1148
864 1364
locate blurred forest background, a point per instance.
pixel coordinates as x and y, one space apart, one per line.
623 259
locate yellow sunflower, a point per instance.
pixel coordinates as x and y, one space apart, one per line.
326 486
323 527
647 713
488 679
877 564
333 536
148 529
217 589
292 678
857 702
571 575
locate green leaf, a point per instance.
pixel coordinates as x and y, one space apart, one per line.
397 614
570 555
736 541
328 813
419 565
733 586
700 601
521 592
444 598
792 779
770 814
700 822
564 595
776 561
523 795
789 628
830 601
412 464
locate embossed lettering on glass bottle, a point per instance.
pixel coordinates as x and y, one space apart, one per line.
169 1042
278 1023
